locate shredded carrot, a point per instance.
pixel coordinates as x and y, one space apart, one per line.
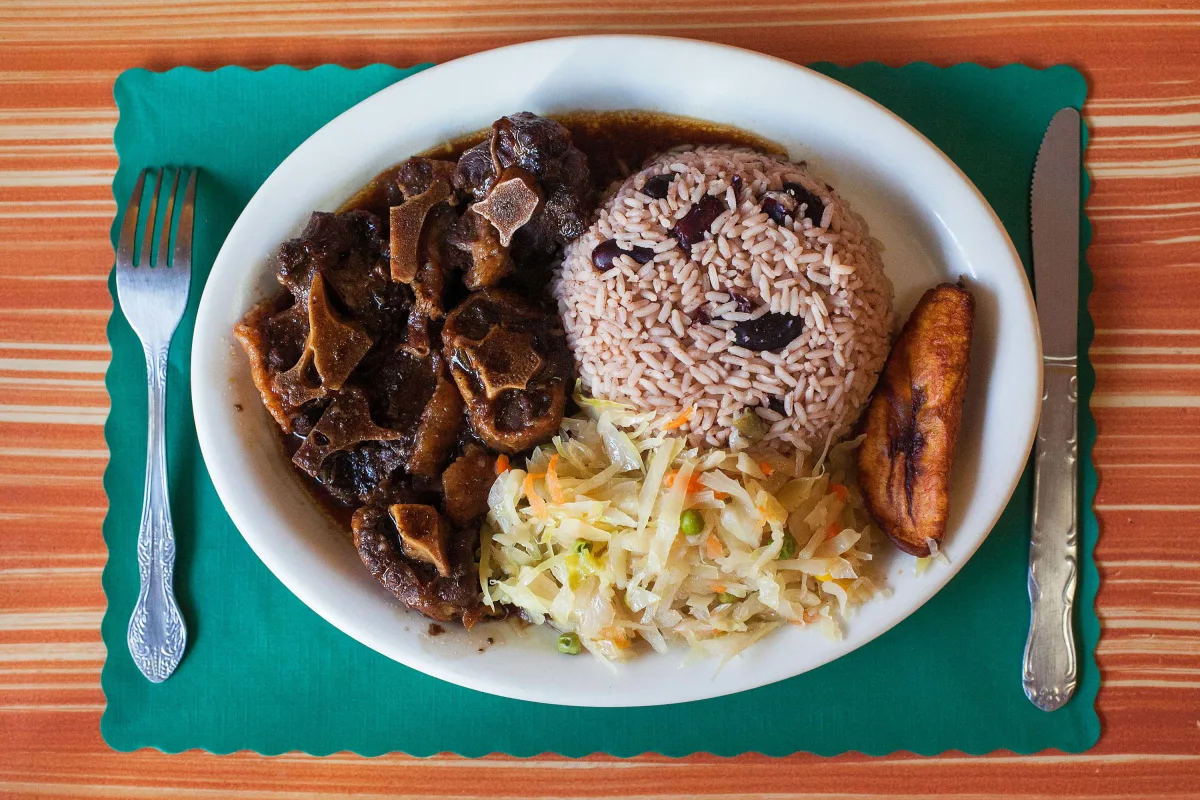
617 635
501 464
679 421
842 582
841 491
556 492
693 486
720 495
713 547
719 588
766 468
535 500
832 530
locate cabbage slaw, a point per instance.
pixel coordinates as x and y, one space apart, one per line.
587 538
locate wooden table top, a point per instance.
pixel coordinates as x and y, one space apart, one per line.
57 65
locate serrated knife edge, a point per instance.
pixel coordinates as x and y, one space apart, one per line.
1054 212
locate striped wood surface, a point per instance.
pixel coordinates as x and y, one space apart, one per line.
57 64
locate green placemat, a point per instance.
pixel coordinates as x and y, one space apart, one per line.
263 672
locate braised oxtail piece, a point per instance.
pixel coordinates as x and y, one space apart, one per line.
420 558
337 301
530 181
511 364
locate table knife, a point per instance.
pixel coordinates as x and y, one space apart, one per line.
1050 667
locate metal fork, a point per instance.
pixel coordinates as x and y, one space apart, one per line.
153 299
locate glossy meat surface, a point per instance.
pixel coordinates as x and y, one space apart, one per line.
414 582
398 367
542 148
511 364
342 358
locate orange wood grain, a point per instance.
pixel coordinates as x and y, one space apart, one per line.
57 64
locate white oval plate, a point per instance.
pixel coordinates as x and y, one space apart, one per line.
935 226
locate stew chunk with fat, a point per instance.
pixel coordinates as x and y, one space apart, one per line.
511 365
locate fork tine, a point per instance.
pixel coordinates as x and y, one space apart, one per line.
183 234
129 224
148 234
164 238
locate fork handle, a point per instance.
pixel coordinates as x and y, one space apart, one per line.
157 635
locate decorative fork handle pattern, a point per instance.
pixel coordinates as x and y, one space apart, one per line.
1050 670
157 635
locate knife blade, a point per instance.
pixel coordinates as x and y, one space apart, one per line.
1050 668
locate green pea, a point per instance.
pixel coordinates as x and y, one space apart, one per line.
751 425
726 597
581 546
569 643
691 522
787 550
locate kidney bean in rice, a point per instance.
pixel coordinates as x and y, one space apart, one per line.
749 285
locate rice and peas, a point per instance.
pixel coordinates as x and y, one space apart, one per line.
701 496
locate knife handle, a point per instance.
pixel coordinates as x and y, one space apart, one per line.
1050 670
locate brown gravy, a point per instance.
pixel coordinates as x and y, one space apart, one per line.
333 510
616 144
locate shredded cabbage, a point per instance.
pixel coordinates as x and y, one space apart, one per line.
610 563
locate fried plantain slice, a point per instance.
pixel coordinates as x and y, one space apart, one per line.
912 421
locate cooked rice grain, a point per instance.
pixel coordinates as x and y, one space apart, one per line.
659 335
